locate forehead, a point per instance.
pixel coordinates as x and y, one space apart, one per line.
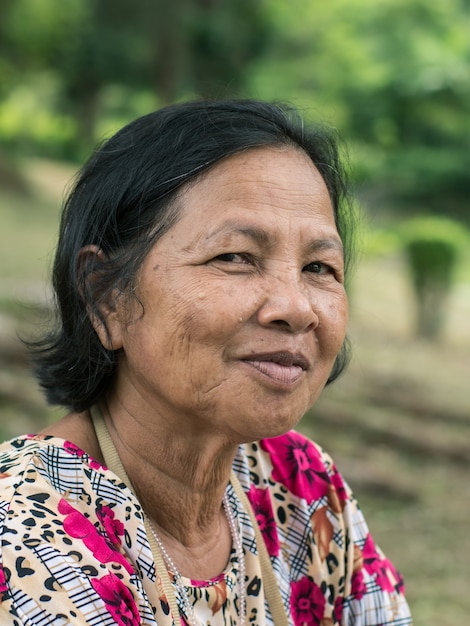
273 174
284 156
271 195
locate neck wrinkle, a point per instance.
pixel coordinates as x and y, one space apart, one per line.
179 487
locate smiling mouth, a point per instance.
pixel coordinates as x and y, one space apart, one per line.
280 367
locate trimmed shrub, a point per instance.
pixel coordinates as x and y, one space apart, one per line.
432 246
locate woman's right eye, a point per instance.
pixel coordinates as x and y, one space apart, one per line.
232 257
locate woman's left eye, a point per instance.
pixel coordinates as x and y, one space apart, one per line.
318 268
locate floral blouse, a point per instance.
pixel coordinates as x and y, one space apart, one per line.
74 548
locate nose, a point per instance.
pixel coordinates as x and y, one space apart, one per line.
289 305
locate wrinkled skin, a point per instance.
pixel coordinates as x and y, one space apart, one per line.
253 268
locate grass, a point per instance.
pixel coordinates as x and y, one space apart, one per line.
397 423
28 229
29 225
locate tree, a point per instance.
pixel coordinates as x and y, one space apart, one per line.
172 48
433 247
394 76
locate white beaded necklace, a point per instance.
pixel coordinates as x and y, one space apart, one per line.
182 591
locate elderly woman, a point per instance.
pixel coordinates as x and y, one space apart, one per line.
201 310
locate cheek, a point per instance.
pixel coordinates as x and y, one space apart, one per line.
210 316
333 325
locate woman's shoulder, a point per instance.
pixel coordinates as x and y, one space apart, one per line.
31 463
17 453
22 450
62 517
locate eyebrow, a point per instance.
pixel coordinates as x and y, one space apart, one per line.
264 238
331 243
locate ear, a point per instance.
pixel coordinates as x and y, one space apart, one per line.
108 324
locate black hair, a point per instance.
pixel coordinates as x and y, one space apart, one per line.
124 199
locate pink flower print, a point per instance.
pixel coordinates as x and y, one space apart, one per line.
78 526
3 585
338 483
297 465
358 587
118 600
338 610
113 528
384 573
307 602
263 510
71 448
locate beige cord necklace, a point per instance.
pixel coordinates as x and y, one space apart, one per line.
271 589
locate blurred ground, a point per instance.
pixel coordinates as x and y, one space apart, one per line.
397 423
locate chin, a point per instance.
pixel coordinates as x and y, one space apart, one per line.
274 427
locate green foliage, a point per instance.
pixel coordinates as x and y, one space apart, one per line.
393 76
380 242
432 228
435 250
433 247
432 263
174 49
29 120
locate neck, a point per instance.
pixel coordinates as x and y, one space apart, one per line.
179 478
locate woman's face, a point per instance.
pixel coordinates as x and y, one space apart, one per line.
243 308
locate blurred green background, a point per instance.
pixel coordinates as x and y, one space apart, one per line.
393 76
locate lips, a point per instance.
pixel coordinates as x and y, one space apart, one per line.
282 367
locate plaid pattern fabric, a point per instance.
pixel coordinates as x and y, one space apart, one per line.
358 585
74 548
